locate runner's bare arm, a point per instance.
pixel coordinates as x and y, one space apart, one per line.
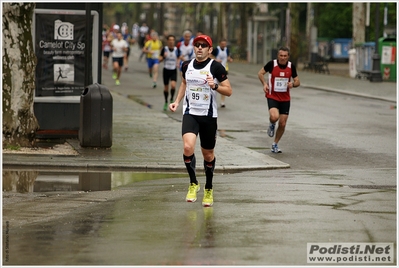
182 90
261 76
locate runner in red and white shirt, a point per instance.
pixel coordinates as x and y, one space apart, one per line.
277 92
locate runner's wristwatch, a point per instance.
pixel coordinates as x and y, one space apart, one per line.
216 87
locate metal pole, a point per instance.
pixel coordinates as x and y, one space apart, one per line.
88 49
376 75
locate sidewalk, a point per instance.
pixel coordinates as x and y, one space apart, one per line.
386 90
148 140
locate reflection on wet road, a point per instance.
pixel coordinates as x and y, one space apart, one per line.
126 218
35 181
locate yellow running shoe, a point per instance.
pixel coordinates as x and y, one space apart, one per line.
117 82
114 76
207 201
192 192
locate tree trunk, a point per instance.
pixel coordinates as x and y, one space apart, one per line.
19 65
242 41
150 17
294 44
309 24
222 22
359 23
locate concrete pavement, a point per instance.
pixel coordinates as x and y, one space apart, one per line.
147 139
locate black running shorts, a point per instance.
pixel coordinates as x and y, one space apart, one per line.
205 126
169 75
118 60
282 106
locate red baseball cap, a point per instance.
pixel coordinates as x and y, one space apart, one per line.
203 37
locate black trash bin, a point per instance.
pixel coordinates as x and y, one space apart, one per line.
95 129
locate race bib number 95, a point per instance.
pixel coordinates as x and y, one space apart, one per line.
200 97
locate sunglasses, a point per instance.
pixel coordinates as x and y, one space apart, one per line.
203 45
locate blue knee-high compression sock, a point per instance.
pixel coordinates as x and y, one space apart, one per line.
209 168
189 161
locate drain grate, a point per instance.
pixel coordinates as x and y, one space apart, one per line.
373 186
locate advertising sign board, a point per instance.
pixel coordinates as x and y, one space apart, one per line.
60 46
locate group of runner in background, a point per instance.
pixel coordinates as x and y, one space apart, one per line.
116 45
204 71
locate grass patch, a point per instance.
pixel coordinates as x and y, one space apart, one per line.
13 147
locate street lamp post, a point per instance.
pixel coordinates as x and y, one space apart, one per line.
376 75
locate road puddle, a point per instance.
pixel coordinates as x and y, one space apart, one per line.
50 181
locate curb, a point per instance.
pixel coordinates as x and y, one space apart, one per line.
85 167
335 90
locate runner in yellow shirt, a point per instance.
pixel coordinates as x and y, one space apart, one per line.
153 48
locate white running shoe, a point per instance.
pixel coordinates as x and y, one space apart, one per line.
270 130
275 148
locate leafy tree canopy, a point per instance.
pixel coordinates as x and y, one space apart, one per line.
334 20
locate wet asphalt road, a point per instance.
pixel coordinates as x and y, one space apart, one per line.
341 187
259 218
